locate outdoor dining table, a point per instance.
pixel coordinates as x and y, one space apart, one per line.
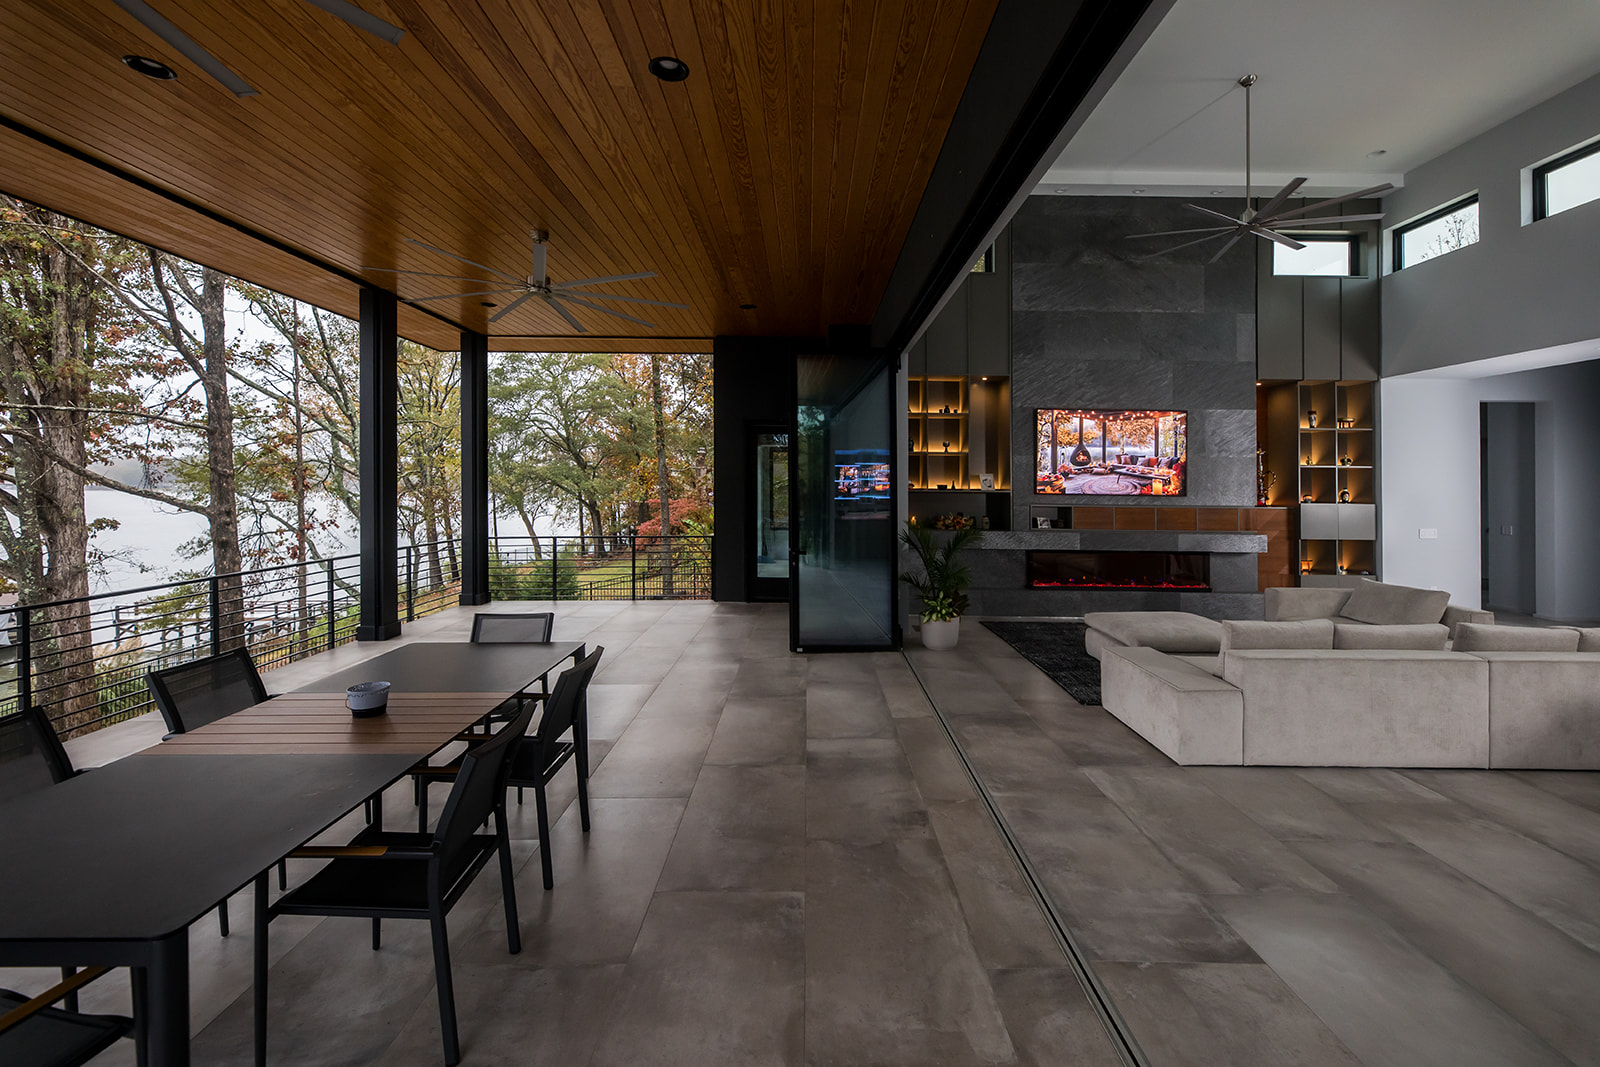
112 866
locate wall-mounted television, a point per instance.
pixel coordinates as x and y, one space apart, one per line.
1103 452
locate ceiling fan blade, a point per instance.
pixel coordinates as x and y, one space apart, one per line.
1175 233
539 276
361 20
607 278
509 308
185 46
597 307
1376 190
632 299
1224 249
458 296
564 313
429 274
1324 219
1229 219
1283 194
1174 248
464 259
1273 235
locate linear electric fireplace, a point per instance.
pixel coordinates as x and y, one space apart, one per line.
1119 570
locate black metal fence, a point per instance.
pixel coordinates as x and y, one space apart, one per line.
84 660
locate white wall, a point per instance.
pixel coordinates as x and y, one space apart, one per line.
1429 430
1520 287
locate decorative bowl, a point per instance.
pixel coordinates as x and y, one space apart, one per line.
367 698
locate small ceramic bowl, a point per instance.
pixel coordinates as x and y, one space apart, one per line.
367 698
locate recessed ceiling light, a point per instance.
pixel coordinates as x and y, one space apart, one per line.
669 68
1375 153
747 307
1137 191
487 304
150 68
1217 192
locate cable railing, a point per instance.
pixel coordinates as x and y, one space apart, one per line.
84 660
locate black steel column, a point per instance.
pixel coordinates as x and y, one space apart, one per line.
474 468
380 468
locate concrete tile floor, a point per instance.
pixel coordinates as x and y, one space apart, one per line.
788 865
1280 916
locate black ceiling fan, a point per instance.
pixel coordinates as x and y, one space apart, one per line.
185 45
537 285
1269 221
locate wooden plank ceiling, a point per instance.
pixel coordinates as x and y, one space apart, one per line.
783 173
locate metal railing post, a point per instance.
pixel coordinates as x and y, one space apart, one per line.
24 657
555 561
633 566
331 617
411 582
215 584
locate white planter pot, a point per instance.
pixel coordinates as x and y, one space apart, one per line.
941 635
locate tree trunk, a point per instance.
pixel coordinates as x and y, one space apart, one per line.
226 558
662 489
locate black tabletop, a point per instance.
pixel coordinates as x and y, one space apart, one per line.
142 847
452 667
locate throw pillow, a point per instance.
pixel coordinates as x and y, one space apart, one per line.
1419 637
1482 637
1589 639
1391 605
1308 633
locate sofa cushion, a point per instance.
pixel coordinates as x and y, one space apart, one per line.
1418 637
1286 603
1304 633
1185 712
1588 638
1476 637
1544 710
1391 605
1169 631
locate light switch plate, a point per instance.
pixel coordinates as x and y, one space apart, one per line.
1427 534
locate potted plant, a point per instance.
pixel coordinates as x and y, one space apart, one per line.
942 585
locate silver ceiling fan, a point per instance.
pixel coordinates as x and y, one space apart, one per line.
1269 221
185 45
537 285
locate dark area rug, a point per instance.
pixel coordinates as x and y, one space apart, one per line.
1057 649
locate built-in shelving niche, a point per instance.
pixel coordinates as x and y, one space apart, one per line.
959 429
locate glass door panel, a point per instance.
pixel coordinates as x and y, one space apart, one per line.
843 562
770 553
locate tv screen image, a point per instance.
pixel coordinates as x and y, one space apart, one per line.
1100 452
861 481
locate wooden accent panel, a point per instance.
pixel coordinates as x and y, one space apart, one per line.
1135 518
784 173
1093 518
1218 520
1175 518
1277 565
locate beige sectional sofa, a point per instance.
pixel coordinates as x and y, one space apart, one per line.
1366 707
1367 603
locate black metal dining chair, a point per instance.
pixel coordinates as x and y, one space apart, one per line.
395 875
202 691
524 628
542 754
32 757
205 690
34 1033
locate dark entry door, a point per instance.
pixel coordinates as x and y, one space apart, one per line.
842 554
768 449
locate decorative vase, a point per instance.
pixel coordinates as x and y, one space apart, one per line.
940 636
1344 496
1311 420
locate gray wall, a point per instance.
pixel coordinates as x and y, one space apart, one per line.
1094 326
1429 430
1521 287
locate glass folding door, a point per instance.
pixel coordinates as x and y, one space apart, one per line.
842 546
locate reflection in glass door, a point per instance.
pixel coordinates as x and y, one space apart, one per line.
770 553
842 558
